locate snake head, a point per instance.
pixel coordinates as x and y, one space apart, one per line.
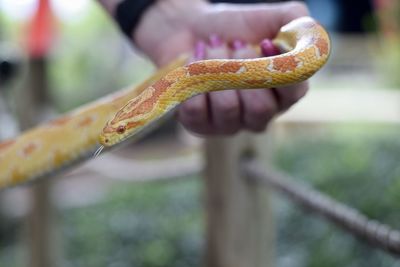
130 119
127 122
112 134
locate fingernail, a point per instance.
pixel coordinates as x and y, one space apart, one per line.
238 44
268 48
200 50
215 40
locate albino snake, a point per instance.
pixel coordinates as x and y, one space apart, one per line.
74 137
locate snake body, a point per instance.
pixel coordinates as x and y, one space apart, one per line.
308 45
72 138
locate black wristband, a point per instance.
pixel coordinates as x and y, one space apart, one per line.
239 1
128 14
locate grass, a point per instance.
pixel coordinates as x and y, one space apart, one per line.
137 225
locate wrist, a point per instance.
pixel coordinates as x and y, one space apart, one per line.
128 14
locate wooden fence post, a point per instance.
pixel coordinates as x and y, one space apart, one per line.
239 217
31 107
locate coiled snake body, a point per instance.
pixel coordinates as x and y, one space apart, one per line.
70 139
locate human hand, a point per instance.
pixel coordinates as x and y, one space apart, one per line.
173 27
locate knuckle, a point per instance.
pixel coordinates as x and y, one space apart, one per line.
287 104
198 127
293 97
189 125
298 8
193 111
228 111
230 130
258 125
298 94
258 128
302 91
261 112
197 130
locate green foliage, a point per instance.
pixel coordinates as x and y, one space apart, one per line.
137 225
359 168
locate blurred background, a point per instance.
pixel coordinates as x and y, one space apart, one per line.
343 139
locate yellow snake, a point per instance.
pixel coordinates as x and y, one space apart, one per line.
72 138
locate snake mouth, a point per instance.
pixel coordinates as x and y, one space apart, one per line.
120 135
109 140
104 140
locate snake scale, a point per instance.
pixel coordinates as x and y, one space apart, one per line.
70 139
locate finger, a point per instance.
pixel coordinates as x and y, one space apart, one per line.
251 22
285 96
224 105
241 50
199 52
194 115
225 111
217 49
258 105
289 95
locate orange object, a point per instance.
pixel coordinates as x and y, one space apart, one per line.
40 30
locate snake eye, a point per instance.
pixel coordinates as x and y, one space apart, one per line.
121 129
